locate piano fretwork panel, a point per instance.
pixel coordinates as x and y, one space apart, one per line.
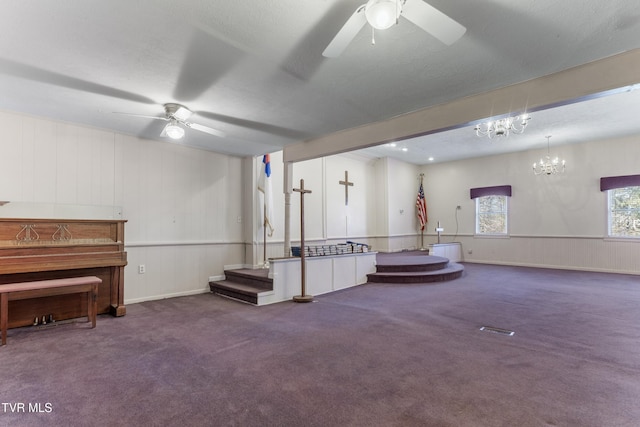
40 249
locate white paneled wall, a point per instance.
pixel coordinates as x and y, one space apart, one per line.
50 162
180 194
554 221
381 210
356 219
565 205
182 208
403 182
174 270
181 204
313 174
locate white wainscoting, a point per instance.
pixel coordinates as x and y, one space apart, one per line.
452 251
175 269
586 253
324 274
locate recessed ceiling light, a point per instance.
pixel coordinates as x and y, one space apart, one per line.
405 149
391 144
431 159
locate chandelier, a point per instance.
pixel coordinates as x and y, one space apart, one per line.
547 165
502 127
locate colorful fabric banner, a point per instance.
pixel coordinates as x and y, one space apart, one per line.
264 186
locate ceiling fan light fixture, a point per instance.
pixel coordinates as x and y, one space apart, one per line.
382 14
173 130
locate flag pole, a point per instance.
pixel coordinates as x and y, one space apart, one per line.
264 186
264 235
422 228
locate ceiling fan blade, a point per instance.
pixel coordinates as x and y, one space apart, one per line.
205 129
347 33
433 21
164 131
142 115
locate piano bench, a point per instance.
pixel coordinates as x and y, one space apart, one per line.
46 288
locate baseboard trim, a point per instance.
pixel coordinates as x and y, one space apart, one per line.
166 296
553 267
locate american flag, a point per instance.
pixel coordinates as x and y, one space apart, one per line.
421 204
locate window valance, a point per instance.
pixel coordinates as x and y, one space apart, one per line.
611 182
499 190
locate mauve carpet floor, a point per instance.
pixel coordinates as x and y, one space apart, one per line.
373 355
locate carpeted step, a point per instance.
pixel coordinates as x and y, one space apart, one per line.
451 271
243 284
258 278
239 291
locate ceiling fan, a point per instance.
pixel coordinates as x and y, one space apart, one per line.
177 115
382 14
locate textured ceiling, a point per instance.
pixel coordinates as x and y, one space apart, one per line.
612 116
254 68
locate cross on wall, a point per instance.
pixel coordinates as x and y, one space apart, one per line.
346 184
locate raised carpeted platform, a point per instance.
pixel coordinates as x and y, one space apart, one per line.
413 267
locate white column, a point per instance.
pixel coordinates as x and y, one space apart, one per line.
287 189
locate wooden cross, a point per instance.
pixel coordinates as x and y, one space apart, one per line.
346 184
303 297
302 189
302 192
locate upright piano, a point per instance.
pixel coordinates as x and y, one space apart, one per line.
41 249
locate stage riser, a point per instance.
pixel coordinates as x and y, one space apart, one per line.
235 295
411 268
415 279
414 267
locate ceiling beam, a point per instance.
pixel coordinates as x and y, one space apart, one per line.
586 81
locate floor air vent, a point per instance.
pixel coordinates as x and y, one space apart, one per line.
497 330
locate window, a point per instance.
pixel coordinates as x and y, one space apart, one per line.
492 208
491 215
624 212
